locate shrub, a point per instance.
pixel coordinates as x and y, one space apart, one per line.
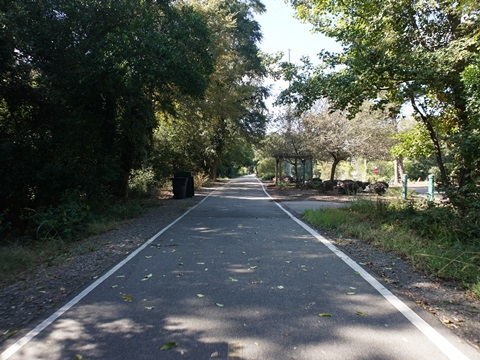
265 167
268 177
141 182
63 221
199 180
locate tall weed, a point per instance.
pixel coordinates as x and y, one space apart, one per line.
63 221
199 179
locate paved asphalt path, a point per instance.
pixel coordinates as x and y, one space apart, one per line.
237 278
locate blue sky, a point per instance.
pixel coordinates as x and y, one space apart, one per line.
281 32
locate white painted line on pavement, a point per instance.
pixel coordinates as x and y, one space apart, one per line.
24 340
433 335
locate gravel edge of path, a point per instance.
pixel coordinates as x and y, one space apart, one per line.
455 308
39 293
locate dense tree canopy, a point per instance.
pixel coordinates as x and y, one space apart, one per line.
232 110
92 92
396 52
334 137
80 84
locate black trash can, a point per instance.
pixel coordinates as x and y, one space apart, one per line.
190 184
179 187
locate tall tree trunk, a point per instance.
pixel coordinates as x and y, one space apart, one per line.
334 168
401 167
395 172
213 170
436 143
399 170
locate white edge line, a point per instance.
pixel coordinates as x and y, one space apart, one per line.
10 351
446 347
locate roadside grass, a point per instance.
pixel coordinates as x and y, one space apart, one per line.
96 227
397 191
432 238
26 253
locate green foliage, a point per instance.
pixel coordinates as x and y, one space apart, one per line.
81 82
424 54
118 211
470 78
412 144
213 134
266 167
96 227
398 191
239 155
332 220
421 168
57 227
268 176
142 182
63 222
470 140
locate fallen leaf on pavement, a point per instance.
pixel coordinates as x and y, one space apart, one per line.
169 346
9 333
147 277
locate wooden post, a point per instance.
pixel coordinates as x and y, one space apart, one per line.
431 188
296 170
276 170
280 169
304 161
405 186
312 164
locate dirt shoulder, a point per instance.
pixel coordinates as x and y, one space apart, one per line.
455 308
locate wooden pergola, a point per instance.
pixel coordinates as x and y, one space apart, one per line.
293 159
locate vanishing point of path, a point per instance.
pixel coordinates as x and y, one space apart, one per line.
238 278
